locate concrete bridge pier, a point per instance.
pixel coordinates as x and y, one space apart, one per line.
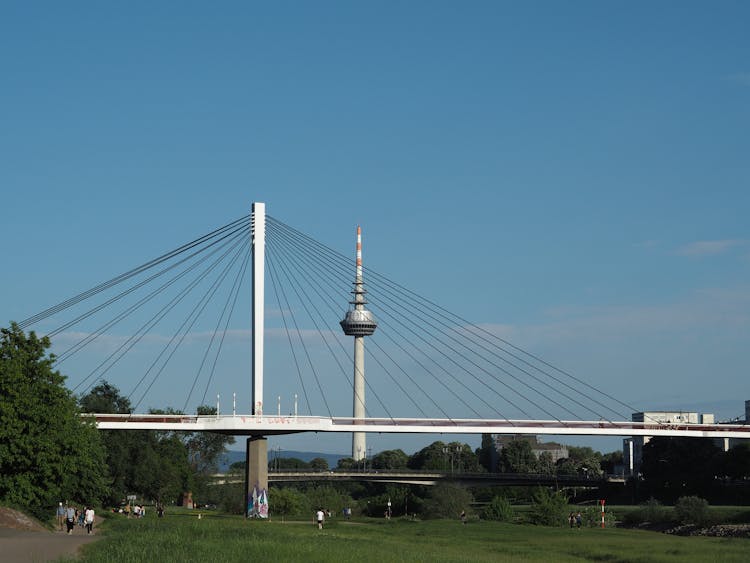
256 477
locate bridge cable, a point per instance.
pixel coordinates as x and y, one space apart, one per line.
330 301
439 365
374 276
272 275
317 271
232 293
159 315
283 269
101 330
130 273
187 324
229 318
325 340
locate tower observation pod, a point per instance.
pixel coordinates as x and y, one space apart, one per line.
359 322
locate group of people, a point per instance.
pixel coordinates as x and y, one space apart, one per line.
575 519
69 515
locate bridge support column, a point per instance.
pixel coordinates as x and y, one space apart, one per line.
256 477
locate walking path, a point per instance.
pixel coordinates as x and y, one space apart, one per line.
24 541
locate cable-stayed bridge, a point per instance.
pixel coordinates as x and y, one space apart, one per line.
170 327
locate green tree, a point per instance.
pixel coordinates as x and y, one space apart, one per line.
692 510
499 509
446 501
549 508
144 462
673 467
318 464
285 501
735 463
545 464
587 461
48 452
517 457
206 449
430 457
346 463
390 459
487 453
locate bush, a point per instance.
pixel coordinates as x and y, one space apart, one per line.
499 509
651 512
692 510
549 508
592 517
446 501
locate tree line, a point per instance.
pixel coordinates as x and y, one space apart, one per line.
49 453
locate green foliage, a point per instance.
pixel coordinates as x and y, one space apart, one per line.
446 501
287 501
545 465
326 497
390 459
440 456
735 463
651 512
346 463
319 464
517 457
611 460
230 495
549 508
592 517
153 465
487 453
206 449
47 452
290 463
429 457
692 510
674 466
499 509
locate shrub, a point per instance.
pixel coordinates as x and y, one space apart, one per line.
592 517
549 508
651 512
499 509
446 501
692 510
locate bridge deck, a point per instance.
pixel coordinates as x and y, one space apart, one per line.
252 425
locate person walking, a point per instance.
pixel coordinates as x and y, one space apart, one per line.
463 517
89 519
60 516
70 518
320 516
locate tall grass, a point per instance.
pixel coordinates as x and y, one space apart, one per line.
228 539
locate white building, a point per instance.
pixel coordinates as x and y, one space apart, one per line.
632 448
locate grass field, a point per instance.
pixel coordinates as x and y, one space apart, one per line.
218 538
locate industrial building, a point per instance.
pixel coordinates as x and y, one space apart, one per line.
633 447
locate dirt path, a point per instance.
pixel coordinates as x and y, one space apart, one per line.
24 540
21 546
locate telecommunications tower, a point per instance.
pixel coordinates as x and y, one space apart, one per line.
359 322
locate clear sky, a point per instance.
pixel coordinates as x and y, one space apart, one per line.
576 173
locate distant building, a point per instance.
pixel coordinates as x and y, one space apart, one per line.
557 451
632 448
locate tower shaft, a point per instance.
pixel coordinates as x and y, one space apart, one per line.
359 322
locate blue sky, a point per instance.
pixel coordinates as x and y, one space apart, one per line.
574 174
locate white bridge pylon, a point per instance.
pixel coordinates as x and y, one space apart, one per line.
259 425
